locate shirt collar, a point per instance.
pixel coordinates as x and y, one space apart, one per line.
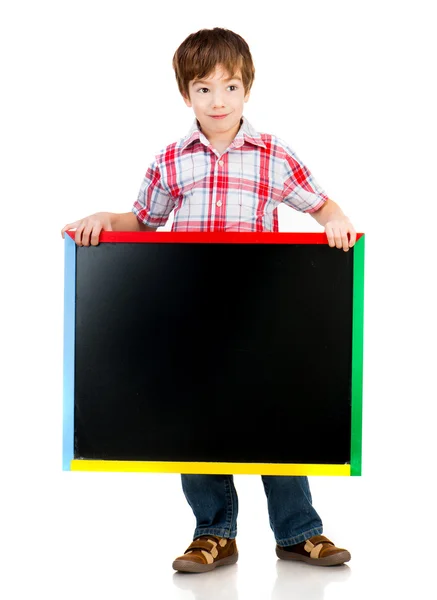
245 133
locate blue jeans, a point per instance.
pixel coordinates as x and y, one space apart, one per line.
214 502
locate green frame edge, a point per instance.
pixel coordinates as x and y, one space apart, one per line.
357 357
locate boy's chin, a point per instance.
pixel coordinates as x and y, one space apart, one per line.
226 123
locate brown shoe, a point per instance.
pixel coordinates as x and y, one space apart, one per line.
318 550
206 553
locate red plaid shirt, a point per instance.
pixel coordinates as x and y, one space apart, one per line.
237 191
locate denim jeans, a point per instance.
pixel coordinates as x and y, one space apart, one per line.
214 502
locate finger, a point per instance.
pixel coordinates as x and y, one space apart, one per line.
337 237
353 237
345 240
96 235
86 234
78 236
67 227
330 235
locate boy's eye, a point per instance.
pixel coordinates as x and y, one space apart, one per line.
204 90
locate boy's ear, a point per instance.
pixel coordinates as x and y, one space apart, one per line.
187 100
247 96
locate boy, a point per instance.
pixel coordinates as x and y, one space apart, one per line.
224 176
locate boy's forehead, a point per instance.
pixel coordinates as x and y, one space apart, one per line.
219 74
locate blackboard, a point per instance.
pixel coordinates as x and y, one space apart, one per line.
213 353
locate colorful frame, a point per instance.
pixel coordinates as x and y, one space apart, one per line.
70 463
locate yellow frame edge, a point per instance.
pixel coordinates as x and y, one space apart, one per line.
210 468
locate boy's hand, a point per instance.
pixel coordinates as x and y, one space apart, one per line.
89 226
340 233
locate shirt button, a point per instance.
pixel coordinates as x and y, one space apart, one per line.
219 203
221 163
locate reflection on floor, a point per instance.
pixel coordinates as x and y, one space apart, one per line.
293 581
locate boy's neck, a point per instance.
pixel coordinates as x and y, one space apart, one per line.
218 141
219 146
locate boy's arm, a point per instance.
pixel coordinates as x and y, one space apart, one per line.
89 229
128 222
303 193
153 205
339 230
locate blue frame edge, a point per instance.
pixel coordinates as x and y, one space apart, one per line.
69 332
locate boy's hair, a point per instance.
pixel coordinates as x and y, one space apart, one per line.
201 52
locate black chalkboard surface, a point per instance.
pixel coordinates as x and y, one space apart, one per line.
213 350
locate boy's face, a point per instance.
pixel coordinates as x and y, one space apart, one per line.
218 102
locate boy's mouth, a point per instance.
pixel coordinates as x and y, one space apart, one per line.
218 116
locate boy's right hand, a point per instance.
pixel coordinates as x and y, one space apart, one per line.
90 227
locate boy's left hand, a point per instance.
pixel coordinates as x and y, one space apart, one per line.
340 233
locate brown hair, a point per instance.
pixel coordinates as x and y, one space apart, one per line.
201 52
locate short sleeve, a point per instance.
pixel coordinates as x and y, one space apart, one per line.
154 203
300 190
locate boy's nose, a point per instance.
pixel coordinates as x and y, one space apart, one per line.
217 102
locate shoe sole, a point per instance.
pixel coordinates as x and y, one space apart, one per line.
328 561
187 566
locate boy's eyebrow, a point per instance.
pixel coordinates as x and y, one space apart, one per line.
207 82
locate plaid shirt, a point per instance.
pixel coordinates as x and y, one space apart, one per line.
237 191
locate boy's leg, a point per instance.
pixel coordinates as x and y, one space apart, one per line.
296 525
293 518
214 502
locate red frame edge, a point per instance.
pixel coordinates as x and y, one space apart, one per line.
215 237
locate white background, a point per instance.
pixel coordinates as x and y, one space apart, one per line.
88 96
